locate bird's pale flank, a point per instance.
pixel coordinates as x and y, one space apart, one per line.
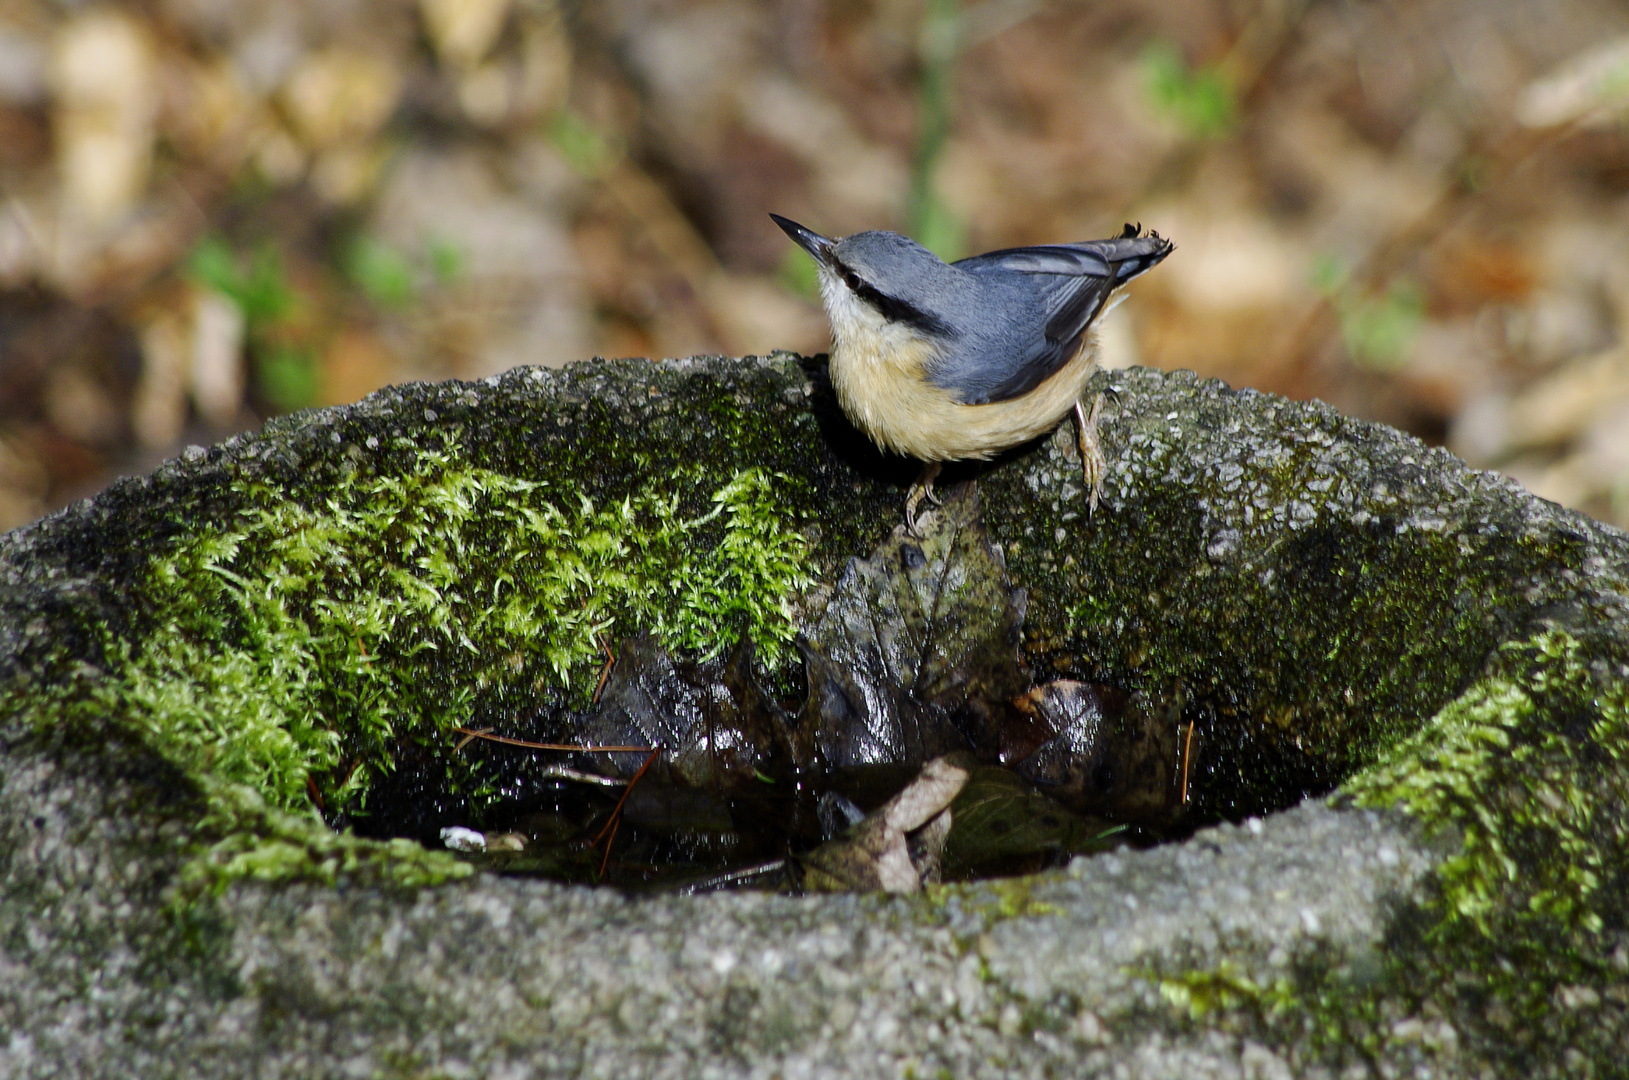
945 361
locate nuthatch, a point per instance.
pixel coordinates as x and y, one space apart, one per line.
945 361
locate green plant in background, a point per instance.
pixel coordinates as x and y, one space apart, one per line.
928 219
285 364
285 370
1200 99
379 272
392 280
258 285
286 376
583 147
799 273
446 258
1376 330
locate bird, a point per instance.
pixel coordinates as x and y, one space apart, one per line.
952 361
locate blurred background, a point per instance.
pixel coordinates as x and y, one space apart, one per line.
213 211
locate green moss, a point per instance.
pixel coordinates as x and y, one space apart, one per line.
298 650
302 643
261 843
1227 986
1303 652
1313 1003
1523 774
992 901
1519 765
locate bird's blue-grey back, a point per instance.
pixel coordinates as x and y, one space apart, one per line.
1034 307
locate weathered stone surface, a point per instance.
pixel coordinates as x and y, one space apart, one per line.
1335 602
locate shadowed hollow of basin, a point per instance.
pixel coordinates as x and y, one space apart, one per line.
220 682
724 777
341 615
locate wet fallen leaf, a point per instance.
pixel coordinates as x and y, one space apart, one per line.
836 814
509 841
1003 825
881 852
715 725
459 838
665 808
917 647
1109 752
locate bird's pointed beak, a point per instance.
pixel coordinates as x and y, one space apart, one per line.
807 239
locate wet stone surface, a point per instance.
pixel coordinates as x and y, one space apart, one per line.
1291 601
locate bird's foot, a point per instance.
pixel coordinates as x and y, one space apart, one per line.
1093 465
922 489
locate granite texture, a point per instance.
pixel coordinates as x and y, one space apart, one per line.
1341 606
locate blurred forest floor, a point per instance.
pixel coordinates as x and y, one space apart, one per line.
212 211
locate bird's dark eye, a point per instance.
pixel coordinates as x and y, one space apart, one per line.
852 280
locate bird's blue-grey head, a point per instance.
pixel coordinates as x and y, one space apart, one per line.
886 277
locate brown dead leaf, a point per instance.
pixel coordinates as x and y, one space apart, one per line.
917 647
1110 753
715 725
880 853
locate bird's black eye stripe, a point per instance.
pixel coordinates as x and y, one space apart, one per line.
892 308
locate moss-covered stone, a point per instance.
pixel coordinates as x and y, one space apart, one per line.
1524 776
1303 579
1520 944
190 658
298 644
298 641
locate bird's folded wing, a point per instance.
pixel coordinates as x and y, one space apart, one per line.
1071 282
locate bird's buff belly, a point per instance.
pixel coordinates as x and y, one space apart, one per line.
910 415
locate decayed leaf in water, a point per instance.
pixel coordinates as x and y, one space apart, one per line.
895 848
917 646
1005 826
715 725
1100 750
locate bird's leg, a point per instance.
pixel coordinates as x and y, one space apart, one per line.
1093 465
922 489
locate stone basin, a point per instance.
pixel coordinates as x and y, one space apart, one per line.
1412 679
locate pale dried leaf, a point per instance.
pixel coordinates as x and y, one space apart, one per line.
217 358
104 78
340 96
462 32
880 853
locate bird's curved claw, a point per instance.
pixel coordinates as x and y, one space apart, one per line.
1093 465
922 489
